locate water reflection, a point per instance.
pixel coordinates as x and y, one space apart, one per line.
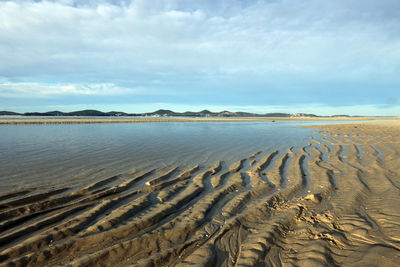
38 155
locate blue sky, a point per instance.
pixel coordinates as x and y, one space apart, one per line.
314 56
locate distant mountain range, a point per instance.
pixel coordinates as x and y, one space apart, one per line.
160 113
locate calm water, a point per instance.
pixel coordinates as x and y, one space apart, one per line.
35 155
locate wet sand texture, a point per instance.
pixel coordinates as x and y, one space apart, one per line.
332 202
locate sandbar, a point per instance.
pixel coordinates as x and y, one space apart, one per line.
86 120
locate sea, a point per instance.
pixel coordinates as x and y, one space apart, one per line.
42 155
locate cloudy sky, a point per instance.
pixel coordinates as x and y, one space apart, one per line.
319 56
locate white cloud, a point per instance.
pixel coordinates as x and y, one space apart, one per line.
202 50
32 90
304 37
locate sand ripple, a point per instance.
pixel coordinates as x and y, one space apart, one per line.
334 201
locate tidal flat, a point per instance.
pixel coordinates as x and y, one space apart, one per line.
209 193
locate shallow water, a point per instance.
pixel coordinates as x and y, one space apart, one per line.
35 155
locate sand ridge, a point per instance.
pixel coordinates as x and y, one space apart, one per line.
332 202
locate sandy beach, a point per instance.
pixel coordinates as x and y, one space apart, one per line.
332 202
68 120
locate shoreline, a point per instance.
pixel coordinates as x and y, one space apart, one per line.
86 120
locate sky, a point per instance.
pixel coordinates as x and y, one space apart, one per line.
324 57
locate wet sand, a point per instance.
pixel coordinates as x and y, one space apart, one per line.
332 202
67 120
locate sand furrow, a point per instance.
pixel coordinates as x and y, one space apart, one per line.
65 229
190 219
118 215
161 177
30 199
218 180
102 183
14 194
257 173
40 207
58 217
